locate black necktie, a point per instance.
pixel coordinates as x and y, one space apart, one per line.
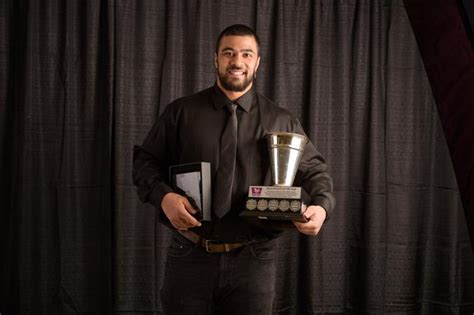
226 171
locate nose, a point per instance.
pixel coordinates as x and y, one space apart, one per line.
237 60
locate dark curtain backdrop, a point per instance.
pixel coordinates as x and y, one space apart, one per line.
83 81
446 43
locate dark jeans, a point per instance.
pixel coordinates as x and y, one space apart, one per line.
239 282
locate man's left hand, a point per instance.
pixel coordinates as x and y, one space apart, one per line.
315 216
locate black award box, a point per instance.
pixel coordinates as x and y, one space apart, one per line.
193 181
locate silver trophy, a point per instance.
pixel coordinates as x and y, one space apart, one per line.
281 201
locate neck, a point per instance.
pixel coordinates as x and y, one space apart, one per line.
232 95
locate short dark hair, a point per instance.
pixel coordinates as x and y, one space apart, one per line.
238 30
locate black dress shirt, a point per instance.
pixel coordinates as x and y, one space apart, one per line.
189 130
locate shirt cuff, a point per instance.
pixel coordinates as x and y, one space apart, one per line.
157 194
325 203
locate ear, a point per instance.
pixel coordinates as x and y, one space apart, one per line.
258 64
215 60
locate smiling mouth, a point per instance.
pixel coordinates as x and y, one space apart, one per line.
236 73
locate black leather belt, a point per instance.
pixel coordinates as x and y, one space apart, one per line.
211 246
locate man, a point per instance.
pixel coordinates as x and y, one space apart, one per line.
225 266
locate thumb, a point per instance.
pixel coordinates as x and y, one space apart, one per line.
309 212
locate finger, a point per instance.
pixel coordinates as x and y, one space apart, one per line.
189 208
301 226
312 232
178 225
182 225
304 223
298 224
189 220
309 228
183 219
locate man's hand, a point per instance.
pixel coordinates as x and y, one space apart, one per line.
316 216
178 210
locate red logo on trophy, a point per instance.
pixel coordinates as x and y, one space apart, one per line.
256 191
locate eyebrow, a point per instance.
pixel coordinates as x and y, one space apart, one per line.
243 50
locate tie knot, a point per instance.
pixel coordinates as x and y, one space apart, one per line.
232 107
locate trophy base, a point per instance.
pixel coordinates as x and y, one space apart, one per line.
275 203
278 216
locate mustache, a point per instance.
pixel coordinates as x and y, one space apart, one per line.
235 68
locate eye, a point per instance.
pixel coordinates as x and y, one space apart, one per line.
247 55
227 53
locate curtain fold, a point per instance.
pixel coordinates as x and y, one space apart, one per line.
81 82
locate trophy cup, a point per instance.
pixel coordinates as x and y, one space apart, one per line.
281 201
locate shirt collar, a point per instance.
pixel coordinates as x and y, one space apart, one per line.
245 101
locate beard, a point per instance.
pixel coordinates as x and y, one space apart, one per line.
234 85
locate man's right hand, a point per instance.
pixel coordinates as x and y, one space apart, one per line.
179 211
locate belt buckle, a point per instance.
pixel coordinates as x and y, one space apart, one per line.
208 243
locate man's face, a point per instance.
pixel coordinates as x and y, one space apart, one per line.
236 62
